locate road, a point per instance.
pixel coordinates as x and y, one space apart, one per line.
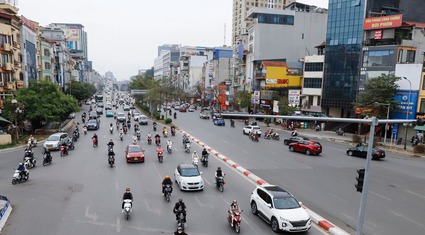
325 183
81 194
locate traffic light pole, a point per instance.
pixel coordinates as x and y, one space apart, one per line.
366 177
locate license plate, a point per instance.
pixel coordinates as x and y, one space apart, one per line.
135 159
49 148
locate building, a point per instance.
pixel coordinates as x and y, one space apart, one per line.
47 61
240 10
30 54
159 66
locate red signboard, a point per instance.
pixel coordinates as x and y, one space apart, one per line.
383 22
378 34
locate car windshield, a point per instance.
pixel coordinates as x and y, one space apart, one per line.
134 150
189 172
285 203
92 121
93 113
143 117
53 138
121 115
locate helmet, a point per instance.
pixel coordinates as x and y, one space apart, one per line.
110 140
127 189
180 200
219 168
205 149
194 151
169 139
167 176
235 202
179 229
20 164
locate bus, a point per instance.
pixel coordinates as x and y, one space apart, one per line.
98 98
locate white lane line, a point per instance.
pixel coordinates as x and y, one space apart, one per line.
118 225
379 195
347 216
207 181
422 196
406 218
335 196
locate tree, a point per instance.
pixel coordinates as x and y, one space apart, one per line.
43 102
243 99
81 91
284 107
382 90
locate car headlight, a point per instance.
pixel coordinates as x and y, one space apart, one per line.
285 222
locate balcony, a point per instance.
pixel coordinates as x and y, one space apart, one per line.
5 47
382 42
8 67
259 75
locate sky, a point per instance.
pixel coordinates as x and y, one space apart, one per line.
123 38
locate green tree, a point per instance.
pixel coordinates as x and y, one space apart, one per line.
243 99
382 90
43 102
284 107
81 91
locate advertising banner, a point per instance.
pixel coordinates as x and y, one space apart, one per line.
275 106
405 104
384 22
294 97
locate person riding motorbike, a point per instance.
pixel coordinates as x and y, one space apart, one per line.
128 123
204 154
232 122
173 130
85 129
164 130
134 138
29 154
169 143
159 150
22 170
180 231
218 173
110 144
195 157
31 140
233 208
157 138
167 181
124 129
149 135
294 133
48 154
95 138
127 196
180 206
136 127
65 147
154 125
175 115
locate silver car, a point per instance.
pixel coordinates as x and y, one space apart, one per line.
143 120
56 140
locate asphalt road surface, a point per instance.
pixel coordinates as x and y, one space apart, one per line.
325 183
81 194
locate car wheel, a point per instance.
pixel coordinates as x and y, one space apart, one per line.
275 225
254 208
308 152
291 149
350 153
286 142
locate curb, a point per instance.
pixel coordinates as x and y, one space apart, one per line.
5 212
316 218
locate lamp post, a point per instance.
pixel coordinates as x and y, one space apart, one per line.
17 111
386 124
407 112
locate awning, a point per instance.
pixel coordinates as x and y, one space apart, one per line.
4 120
420 128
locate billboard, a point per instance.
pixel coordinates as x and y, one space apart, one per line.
31 52
294 97
383 22
405 105
72 34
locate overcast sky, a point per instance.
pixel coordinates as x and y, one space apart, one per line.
123 36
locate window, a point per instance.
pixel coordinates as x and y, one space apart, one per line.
423 82
313 67
46 52
312 83
378 58
47 65
275 19
422 107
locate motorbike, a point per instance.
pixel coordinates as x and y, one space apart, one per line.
415 142
64 150
71 145
18 178
195 161
220 183
149 140
180 219
134 138
204 160
32 143
138 134
167 192
94 142
47 159
127 208
111 160
121 136
173 132
154 127
74 137
246 122
85 130
28 164
128 125
160 157
187 147
275 136
165 134
234 219
232 123
169 148
111 130
157 141
294 133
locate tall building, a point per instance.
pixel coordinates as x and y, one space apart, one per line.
240 12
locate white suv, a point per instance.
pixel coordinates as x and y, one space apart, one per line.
247 129
279 208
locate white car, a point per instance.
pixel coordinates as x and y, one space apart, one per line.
143 120
126 108
247 129
56 140
121 117
188 177
279 208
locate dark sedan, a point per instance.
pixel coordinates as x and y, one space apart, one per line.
294 139
361 151
92 125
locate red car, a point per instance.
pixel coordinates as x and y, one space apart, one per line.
182 109
306 146
134 153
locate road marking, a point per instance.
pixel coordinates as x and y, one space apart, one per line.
207 181
422 196
308 167
118 225
379 195
406 218
90 216
347 216
335 196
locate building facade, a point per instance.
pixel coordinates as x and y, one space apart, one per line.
312 83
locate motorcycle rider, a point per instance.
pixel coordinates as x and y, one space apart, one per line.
127 196
159 150
204 154
47 154
169 143
154 125
164 130
175 115
149 135
110 144
22 170
167 181
136 127
173 130
95 138
294 133
179 231
129 123
134 138
29 154
157 137
85 128
180 206
233 208
194 156
32 140
218 173
232 122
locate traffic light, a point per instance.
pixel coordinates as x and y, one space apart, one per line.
420 122
360 179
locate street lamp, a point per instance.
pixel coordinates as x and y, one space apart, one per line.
386 124
17 111
407 112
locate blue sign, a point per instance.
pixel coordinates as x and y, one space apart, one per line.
394 131
406 104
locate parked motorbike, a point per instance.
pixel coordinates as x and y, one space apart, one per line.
234 219
204 160
167 192
64 150
127 208
220 183
17 177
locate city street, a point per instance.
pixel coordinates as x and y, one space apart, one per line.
325 183
81 194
